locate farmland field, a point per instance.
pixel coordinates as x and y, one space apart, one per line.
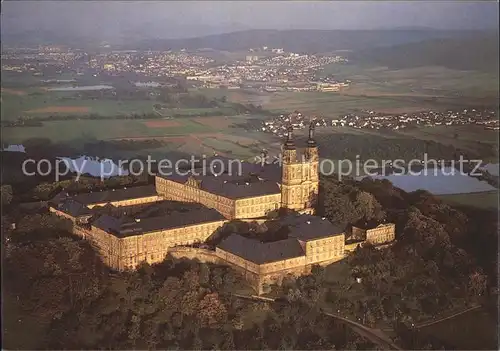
214 122
185 134
162 123
380 89
59 109
100 130
13 91
428 80
37 104
372 88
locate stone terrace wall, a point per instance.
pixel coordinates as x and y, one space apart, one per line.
192 253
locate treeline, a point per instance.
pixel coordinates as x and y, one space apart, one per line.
348 146
110 146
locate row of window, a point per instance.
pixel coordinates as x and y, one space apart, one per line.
336 240
259 208
259 200
337 247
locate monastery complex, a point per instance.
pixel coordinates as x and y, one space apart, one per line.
144 224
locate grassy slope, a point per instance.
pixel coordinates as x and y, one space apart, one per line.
486 200
476 52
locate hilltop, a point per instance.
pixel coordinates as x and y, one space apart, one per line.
300 40
476 52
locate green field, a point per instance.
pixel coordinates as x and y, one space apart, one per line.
227 147
50 103
380 89
429 80
64 131
486 200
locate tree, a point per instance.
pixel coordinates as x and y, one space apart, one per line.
191 279
368 207
6 192
212 311
189 303
204 274
477 283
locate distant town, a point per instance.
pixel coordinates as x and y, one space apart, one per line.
269 69
376 120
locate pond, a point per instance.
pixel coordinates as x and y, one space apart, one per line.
439 182
83 88
94 166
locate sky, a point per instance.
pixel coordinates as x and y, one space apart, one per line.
171 19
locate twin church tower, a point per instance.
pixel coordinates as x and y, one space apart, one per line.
300 175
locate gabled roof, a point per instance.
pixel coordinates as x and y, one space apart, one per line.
261 253
250 181
128 226
369 224
73 208
307 227
115 195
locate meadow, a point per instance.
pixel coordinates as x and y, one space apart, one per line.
36 102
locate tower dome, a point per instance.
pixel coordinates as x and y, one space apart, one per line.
289 144
310 141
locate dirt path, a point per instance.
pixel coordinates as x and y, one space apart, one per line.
426 324
376 336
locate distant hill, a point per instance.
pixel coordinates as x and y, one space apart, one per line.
472 52
307 41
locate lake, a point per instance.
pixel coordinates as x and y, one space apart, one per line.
439 183
83 88
147 84
492 168
14 148
58 80
94 166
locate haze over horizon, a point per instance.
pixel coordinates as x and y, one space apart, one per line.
115 20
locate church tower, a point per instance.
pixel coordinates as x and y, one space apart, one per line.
310 183
289 176
300 178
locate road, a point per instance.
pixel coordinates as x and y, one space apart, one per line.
376 336
426 324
